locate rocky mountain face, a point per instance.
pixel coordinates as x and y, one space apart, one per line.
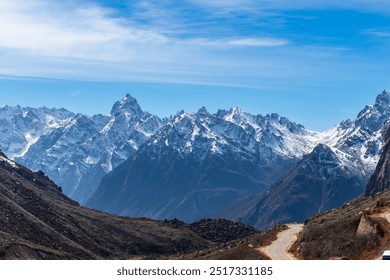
21 128
76 151
319 182
324 179
38 222
380 180
199 162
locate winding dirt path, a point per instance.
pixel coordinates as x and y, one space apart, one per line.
278 250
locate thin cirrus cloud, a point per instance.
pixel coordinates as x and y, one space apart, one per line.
228 5
44 38
240 42
258 42
42 28
91 33
377 32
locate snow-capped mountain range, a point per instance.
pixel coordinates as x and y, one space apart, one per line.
77 151
200 162
202 133
327 177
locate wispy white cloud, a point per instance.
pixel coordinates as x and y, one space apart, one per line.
40 34
381 6
258 42
223 3
261 42
62 30
377 32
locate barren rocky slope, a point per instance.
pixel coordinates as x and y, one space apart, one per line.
38 222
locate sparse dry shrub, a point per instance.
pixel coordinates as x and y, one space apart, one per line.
329 239
381 225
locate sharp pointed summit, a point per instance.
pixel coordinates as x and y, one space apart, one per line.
382 101
128 104
203 111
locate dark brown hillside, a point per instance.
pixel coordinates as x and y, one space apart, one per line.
358 230
216 230
38 222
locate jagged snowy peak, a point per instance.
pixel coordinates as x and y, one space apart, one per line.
126 130
235 130
128 106
202 133
382 103
275 132
259 122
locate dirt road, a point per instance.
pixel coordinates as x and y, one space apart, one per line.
278 249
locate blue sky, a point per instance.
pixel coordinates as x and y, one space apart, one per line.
315 62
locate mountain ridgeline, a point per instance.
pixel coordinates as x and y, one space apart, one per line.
257 169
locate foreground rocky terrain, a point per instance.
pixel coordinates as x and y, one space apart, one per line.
358 230
38 222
